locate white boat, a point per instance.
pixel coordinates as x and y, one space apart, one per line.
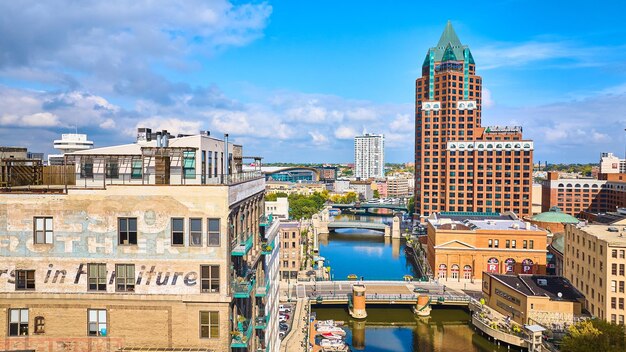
332 344
326 323
331 329
331 336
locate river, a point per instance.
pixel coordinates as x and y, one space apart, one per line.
370 255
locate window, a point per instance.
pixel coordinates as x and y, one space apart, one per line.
125 277
214 232
613 286
613 303
490 243
86 168
210 278
18 322
96 277
195 232
24 279
178 232
189 164
513 243
43 230
112 169
40 325
621 286
531 244
614 269
614 253
621 303
127 231
135 170
496 243
508 244
524 244
97 322
209 325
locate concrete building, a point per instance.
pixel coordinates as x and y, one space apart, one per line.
594 262
290 250
341 186
533 299
611 164
381 187
328 174
151 246
398 187
461 166
461 247
363 189
278 208
69 143
369 156
536 198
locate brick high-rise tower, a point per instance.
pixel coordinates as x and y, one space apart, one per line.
461 166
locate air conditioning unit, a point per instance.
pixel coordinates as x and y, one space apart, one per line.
542 282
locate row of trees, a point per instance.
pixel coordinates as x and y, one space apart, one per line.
594 336
304 206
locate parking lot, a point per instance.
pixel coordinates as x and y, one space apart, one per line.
285 322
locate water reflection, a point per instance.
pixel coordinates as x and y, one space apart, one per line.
396 329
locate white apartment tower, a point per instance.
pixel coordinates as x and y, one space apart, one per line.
369 156
611 164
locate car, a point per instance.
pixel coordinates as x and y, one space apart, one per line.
421 290
284 308
283 326
282 319
281 335
284 315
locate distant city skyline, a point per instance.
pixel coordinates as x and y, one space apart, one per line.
295 82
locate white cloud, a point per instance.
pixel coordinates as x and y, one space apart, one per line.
171 124
362 114
487 100
345 132
402 122
318 138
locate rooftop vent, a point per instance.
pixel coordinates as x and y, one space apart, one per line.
542 282
612 229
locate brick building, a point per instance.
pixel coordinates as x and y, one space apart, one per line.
460 247
461 165
291 250
153 245
595 262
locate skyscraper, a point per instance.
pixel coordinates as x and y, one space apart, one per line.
369 156
462 166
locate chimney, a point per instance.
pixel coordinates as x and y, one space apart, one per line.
165 139
158 139
226 154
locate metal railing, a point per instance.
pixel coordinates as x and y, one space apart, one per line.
100 180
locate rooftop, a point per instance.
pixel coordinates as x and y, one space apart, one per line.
556 288
449 47
554 215
446 223
614 235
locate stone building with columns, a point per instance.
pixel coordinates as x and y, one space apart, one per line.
155 244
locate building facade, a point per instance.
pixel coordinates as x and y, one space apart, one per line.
397 187
460 165
594 262
69 143
144 239
611 164
290 250
461 248
369 156
533 299
278 208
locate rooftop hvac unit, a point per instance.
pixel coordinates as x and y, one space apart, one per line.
542 282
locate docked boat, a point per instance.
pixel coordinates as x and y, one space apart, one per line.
352 277
332 344
327 323
331 336
331 329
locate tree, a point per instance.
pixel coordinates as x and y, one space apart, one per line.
411 204
271 197
301 206
376 194
594 335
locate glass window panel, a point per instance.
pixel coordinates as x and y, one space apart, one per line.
48 223
93 315
177 224
215 331
122 225
196 224
132 224
214 225
205 331
48 237
102 316
40 222
204 317
24 315
15 315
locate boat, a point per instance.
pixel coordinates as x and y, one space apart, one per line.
352 277
331 329
326 323
331 336
332 344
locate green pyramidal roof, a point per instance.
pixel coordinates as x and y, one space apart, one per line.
449 47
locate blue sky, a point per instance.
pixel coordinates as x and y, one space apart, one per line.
296 80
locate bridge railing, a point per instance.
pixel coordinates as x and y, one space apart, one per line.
412 297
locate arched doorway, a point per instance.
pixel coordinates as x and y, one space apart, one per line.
467 272
454 271
443 271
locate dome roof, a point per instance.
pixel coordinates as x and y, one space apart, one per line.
555 215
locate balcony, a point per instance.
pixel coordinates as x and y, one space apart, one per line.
241 246
260 323
267 248
242 288
266 220
262 288
241 334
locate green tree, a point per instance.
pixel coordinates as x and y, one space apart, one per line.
376 194
271 197
411 204
302 206
594 335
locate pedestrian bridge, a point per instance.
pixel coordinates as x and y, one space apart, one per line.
377 226
370 206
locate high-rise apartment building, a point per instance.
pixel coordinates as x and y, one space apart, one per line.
611 164
369 156
462 166
154 245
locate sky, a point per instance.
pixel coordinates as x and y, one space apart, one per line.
295 81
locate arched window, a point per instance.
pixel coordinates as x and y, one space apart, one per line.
492 265
467 272
510 265
454 271
443 271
